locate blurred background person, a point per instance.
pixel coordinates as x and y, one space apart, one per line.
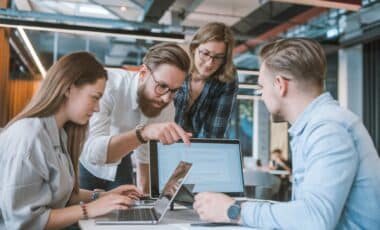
277 161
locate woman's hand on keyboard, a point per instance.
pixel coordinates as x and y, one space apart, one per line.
130 191
108 203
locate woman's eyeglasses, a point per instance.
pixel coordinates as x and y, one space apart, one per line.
206 56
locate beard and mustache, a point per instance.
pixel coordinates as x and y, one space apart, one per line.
146 104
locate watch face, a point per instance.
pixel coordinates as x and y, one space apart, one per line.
233 211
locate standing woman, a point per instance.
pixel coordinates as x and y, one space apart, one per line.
40 147
204 102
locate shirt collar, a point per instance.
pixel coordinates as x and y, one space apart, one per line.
134 90
52 128
302 119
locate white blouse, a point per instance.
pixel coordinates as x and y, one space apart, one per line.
36 173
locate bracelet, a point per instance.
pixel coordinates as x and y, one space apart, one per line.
84 210
138 129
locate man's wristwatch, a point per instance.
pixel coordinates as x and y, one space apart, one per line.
138 130
233 211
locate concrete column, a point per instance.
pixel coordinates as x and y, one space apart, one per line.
261 132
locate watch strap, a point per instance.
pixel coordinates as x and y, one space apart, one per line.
138 130
234 211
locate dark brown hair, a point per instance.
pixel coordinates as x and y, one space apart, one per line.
277 150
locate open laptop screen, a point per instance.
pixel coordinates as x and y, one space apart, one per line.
151 215
216 165
171 187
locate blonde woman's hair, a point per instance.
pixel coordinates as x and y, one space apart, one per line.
218 32
76 69
301 58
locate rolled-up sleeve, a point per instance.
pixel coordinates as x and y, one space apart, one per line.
26 196
141 154
96 147
330 165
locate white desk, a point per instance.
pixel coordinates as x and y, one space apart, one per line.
176 219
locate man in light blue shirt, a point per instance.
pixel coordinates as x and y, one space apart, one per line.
336 169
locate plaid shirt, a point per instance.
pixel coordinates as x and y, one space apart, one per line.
210 114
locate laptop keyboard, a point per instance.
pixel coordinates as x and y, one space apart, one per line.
136 214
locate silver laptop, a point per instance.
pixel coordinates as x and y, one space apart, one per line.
151 215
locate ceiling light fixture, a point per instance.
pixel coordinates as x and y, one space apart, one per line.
32 51
92 9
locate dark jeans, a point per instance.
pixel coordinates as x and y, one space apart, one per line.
124 175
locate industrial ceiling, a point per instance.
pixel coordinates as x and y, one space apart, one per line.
120 31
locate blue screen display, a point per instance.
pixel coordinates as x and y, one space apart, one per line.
216 166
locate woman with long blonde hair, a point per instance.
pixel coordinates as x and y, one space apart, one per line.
40 147
205 101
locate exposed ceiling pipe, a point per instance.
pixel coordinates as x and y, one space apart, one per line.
297 20
80 20
352 5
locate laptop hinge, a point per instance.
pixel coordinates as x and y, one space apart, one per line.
155 214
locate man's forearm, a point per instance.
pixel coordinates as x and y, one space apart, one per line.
142 175
120 145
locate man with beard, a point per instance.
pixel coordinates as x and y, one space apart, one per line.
134 109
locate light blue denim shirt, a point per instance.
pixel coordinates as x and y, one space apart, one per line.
336 174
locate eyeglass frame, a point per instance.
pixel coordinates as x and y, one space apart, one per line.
164 86
206 56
